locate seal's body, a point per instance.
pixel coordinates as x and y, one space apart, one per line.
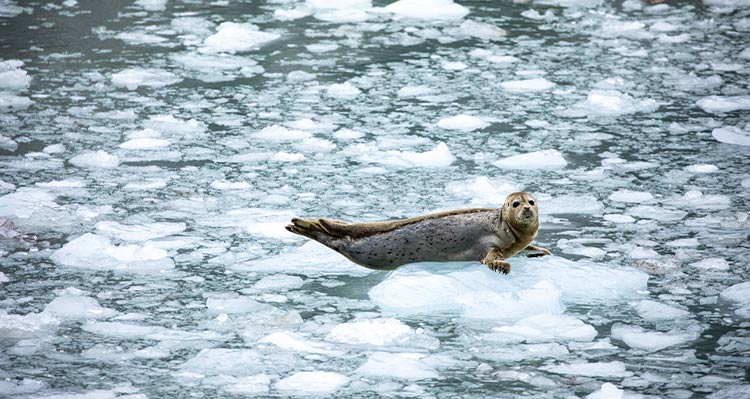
487 235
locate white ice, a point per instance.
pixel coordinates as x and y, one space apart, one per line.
277 133
739 294
655 311
534 286
345 91
311 259
724 104
545 159
133 78
97 159
718 264
91 251
72 304
610 103
547 328
481 30
614 369
702 168
377 332
14 326
630 196
414 91
463 123
439 156
12 77
232 37
610 391
651 341
139 232
482 191
406 366
428 9
527 85
731 135
313 382
152 5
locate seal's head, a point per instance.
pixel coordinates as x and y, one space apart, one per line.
521 211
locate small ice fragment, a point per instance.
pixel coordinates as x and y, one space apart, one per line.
290 15
152 5
313 382
75 307
232 37
607 391
139 233
54 149
395 365
132 78
629 196
655 311
612 103
3 278
463 122
377 332
527 85
702 168
731 135
283 156
739 293
618 218
482 30
428 9
414 91
295 342
235 305
550 327
95 252
347 134
343 16
545 159
343 90
652 341
12 77
280 134
596 369
97 159
230 185
481 190
453 65
724 104
144 144
438 157
712 264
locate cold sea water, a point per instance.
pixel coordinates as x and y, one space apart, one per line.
152 151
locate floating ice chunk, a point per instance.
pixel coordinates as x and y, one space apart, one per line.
236 305
12 77
652 341
283 156
13 102
220 361
232 37
144 144
481 30
655 311
23 387
96 159
339 4
3 278
470 289
75 306
315 144
280 134
54 149
527 85
702 168
313 382
397 365
453 65
230 185
618 218
610 391
311 258
428 9
295 342
343 90
8 144
414 91
548 15
615 369
171 125
299 76
739 293
712 264
656 213
133 78
26 202
377 332
611 103
290 15
139 233
724 104
549 327
570 204
249 385
278 282
683 242
14 326
463 123
482 191
731 135
342 16
152 5
438 157
630 196
321 47
545 159
347 134
91 251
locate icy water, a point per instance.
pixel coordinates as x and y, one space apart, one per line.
152 151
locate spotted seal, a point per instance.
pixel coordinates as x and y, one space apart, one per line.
486 235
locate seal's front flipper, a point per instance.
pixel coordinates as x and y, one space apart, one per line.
539 251
496 262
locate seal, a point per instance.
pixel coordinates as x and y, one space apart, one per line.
486 235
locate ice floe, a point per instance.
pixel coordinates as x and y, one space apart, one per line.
406 366
638 338
722 104
133 78
614 369
313 382
731 135
94 252
428 9
610 103
376 332
545 159
463 123
233 37
527 85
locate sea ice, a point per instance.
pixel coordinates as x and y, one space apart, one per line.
630 196
463 123
481 30
611 103
278 133
91 251
652 341
12 77
548 328
482 191
569 204
731 135
96 159
719 264
222 361
376 332
527 85
614 369
739 293
152 5
397 365
343 90
139 233
428 9
339 4
312 258
14 326
232 37
610 391
13 102
618 218
414 91
236 305
656 311
438 157
76 306
313 382
472 290
724 104
702 168
298 343
133 78
342 16
545 159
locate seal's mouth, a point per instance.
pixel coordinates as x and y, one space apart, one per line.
527 213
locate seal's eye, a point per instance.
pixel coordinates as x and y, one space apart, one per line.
531 202
516 204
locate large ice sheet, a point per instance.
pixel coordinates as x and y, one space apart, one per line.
534 286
